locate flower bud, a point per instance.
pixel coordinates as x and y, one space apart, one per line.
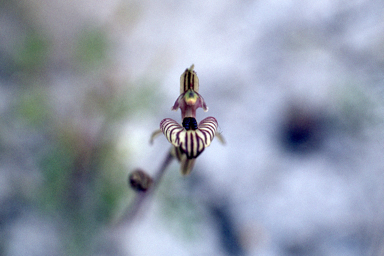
139 180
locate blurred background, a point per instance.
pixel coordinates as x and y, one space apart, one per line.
297 89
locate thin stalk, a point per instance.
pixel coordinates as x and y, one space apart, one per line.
132 210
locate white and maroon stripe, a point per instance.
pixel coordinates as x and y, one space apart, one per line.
191 142
192 145
208 127
171 130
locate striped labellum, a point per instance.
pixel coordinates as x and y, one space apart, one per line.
191 142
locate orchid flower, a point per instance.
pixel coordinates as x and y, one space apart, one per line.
189 138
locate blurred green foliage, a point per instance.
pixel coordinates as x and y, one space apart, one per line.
55 166
69 110
91 48
83 176
32 106
33 52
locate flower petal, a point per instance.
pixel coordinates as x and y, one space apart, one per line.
176 106
191 144
207 128
172 130
190 98
188 102
154 135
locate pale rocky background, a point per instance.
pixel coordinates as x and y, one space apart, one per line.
296 86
